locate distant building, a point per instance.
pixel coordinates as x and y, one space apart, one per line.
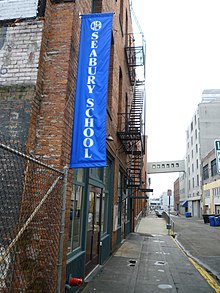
155 203
167 200
183 203
176 192
201 133
211 185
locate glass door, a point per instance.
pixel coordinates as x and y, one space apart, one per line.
93 228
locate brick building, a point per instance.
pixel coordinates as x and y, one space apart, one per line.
176 192
39 43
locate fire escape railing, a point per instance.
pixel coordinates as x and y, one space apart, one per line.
131 135
135 57
131 132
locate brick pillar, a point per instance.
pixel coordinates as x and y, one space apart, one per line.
56 84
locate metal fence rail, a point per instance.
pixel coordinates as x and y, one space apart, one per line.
31 198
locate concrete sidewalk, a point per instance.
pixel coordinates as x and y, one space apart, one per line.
148 261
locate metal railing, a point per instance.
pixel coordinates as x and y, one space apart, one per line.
170 223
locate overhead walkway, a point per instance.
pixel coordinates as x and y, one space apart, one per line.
166 167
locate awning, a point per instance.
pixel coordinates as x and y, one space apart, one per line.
185 204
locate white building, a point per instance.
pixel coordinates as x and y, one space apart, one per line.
155 203
201 133
167 200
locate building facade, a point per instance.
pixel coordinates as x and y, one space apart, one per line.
210 185
176 193
201 134
39 62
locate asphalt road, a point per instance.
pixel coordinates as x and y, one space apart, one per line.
199 240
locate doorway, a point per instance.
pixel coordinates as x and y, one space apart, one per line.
93 228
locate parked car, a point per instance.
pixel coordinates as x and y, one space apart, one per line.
159 212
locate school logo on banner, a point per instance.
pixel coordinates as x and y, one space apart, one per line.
89 123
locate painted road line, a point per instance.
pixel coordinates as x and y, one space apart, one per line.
209 279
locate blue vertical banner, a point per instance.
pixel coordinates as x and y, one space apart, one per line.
89 123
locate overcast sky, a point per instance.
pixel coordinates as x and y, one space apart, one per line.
182 59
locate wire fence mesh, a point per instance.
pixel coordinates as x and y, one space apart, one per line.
30 221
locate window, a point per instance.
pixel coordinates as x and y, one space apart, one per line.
197 180
207 193
120 100
75 217
119 196
76 210
96 173
213 168
205 172
111 74
121 15
96 6
122 207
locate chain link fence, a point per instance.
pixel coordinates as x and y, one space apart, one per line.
31 200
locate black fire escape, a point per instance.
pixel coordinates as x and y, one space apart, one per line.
131 132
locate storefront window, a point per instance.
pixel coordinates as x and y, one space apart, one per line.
75 217
79 175
96 173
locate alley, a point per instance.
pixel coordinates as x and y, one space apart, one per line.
149 261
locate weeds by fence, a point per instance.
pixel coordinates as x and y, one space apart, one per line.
31 197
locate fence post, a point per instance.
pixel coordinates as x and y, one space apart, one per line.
62 225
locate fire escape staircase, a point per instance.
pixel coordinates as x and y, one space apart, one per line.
131 132
132 138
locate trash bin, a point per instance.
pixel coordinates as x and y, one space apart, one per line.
217 222
206 217
212 221
188 214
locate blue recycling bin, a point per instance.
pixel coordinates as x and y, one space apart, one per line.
188 214
212 221
217 221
